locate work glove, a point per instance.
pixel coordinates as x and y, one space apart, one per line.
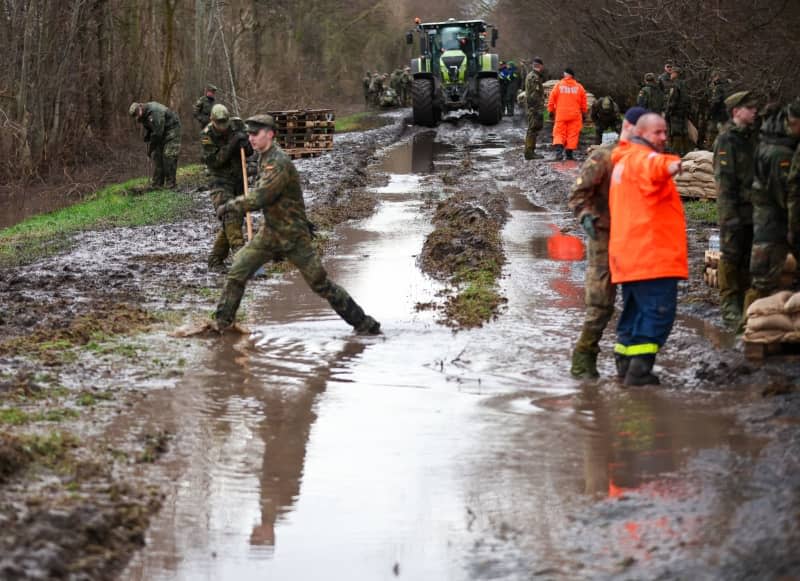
222 210
587 223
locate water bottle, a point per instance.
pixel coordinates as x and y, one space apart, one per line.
713 241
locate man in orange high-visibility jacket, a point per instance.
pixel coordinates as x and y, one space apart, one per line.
567 106
647 247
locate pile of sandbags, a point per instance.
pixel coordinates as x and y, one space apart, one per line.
774 319
696 179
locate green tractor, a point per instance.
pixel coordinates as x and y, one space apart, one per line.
455 71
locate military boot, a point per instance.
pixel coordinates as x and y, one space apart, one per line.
584 365
570 154
622 362
530 148
729 293
228 304
171 173
354 316
559 153
640 371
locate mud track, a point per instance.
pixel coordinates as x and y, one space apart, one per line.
466 456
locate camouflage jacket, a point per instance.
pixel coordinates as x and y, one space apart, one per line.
589 195
718 92
158 121
278 195
678 101
366 81
665 82
773 162
534 91
221 152
734 153
605 117
651 97
202 109
793 202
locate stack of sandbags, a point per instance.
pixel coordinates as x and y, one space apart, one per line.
774 319
696 179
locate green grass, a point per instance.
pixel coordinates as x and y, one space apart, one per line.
113 206
358 122
478 300
704 211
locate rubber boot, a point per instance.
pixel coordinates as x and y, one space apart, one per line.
570 154
730 303
584 365
559 153
640 371
622 362
228 304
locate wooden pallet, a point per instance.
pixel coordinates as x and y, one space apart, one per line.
762 351
305 132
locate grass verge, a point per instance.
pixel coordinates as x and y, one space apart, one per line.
125 204
704 211
359 122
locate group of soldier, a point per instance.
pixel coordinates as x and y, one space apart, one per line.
387 90
285 233
757 172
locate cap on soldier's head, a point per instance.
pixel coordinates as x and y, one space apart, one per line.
133 110
741 99
219 114
569 71
259 122
212 88
538 60
649 77
632 115
676 69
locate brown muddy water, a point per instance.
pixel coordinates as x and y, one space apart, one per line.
304 452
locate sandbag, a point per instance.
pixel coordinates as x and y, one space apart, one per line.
764 336
775 322
701 156
792 306
770 305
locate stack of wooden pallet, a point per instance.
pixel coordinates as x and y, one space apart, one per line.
305 133
711 266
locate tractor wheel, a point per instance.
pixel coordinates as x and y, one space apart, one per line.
490 105
422 102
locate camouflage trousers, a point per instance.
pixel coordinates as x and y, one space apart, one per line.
228 237
165 159
736 242
535 125
600 294
767 261
266 247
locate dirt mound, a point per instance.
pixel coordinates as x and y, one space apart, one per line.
467 235
13 456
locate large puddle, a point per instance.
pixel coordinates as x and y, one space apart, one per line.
307 453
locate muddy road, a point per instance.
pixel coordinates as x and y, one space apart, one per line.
302 451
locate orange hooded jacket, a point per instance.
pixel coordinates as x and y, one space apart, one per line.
648 228
567 100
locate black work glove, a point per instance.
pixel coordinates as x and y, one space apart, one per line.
587 223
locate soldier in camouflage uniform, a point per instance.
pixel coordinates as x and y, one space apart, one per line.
285 232
163 137
677 114
365 83
589 201
605 115
771 202
202 108
376 89
222 140
651 97
665 79
734 154
405 87
534 100
719 89
793 200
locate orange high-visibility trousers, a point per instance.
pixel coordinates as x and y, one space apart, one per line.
567 132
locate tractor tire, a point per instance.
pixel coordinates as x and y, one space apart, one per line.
490 104
422 102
